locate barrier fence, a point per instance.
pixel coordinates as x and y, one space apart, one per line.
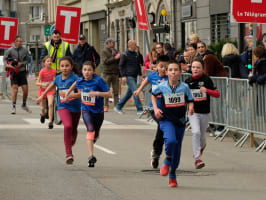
240 107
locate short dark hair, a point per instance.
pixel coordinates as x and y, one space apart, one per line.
17 36
260 52
175 62
162 58
167 46
56 32
89 63
198 59
193 45
202 43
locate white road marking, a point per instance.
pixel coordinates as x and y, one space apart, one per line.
104 149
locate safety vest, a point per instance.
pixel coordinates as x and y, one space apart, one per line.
61 52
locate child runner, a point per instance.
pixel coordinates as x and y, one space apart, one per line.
46 76
201 88
175 96
92 90
69 111
155 78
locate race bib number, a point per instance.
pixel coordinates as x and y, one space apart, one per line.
198 95
62 99
87 99
174 100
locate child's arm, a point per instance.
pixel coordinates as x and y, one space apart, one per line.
191 108
157 112
213 93
143 84
38 82
51 86
101 94
69 96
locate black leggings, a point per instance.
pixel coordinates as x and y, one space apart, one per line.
158 140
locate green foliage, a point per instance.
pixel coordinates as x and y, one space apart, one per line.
217 47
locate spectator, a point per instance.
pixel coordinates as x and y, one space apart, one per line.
192 49
244 71
168 50
159 49
30 64
177 53
194 39
150 59
213 67
232 59
264 39
15 59
110 60
130 69
85 52
259 69
56 49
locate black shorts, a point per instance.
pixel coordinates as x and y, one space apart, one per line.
19 79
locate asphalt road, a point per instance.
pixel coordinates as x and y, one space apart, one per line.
33 165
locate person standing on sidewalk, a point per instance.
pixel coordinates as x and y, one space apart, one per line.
129 66
85 52
16 58
110 60
56 49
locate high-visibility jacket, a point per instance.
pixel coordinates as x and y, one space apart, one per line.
61 52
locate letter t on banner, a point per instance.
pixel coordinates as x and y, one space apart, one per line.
8 31
68 23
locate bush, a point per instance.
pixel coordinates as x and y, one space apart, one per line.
217 47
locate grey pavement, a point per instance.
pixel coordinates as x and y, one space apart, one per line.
33 163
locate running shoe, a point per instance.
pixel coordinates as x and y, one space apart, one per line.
42 119
164 170
172 182
92 161
140 112
118 111
154 160
13 111
26 108
50 125
199 164
69 160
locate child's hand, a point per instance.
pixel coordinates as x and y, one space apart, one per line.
191 111
39 99
158 113
203 89
136 93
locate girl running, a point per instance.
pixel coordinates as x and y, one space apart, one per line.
201 88
175 96
92 89
46 76
69 111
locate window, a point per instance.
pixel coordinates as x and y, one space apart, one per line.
219 27
190 28
36 13
36 37
128 29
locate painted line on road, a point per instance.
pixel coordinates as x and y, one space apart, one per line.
36 121
104 149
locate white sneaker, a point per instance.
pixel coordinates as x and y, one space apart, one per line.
217 133
13 111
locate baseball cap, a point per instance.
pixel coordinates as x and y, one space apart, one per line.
82 37
109 40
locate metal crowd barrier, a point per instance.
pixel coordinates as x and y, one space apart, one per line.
240 107
3 82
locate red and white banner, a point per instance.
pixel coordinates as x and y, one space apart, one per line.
143 21
8 31
249 11
68 22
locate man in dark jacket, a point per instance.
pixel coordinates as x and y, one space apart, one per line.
110 60
129 66
85 52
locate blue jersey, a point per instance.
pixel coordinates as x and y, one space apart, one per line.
88 103
63 85
155 80
174 101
